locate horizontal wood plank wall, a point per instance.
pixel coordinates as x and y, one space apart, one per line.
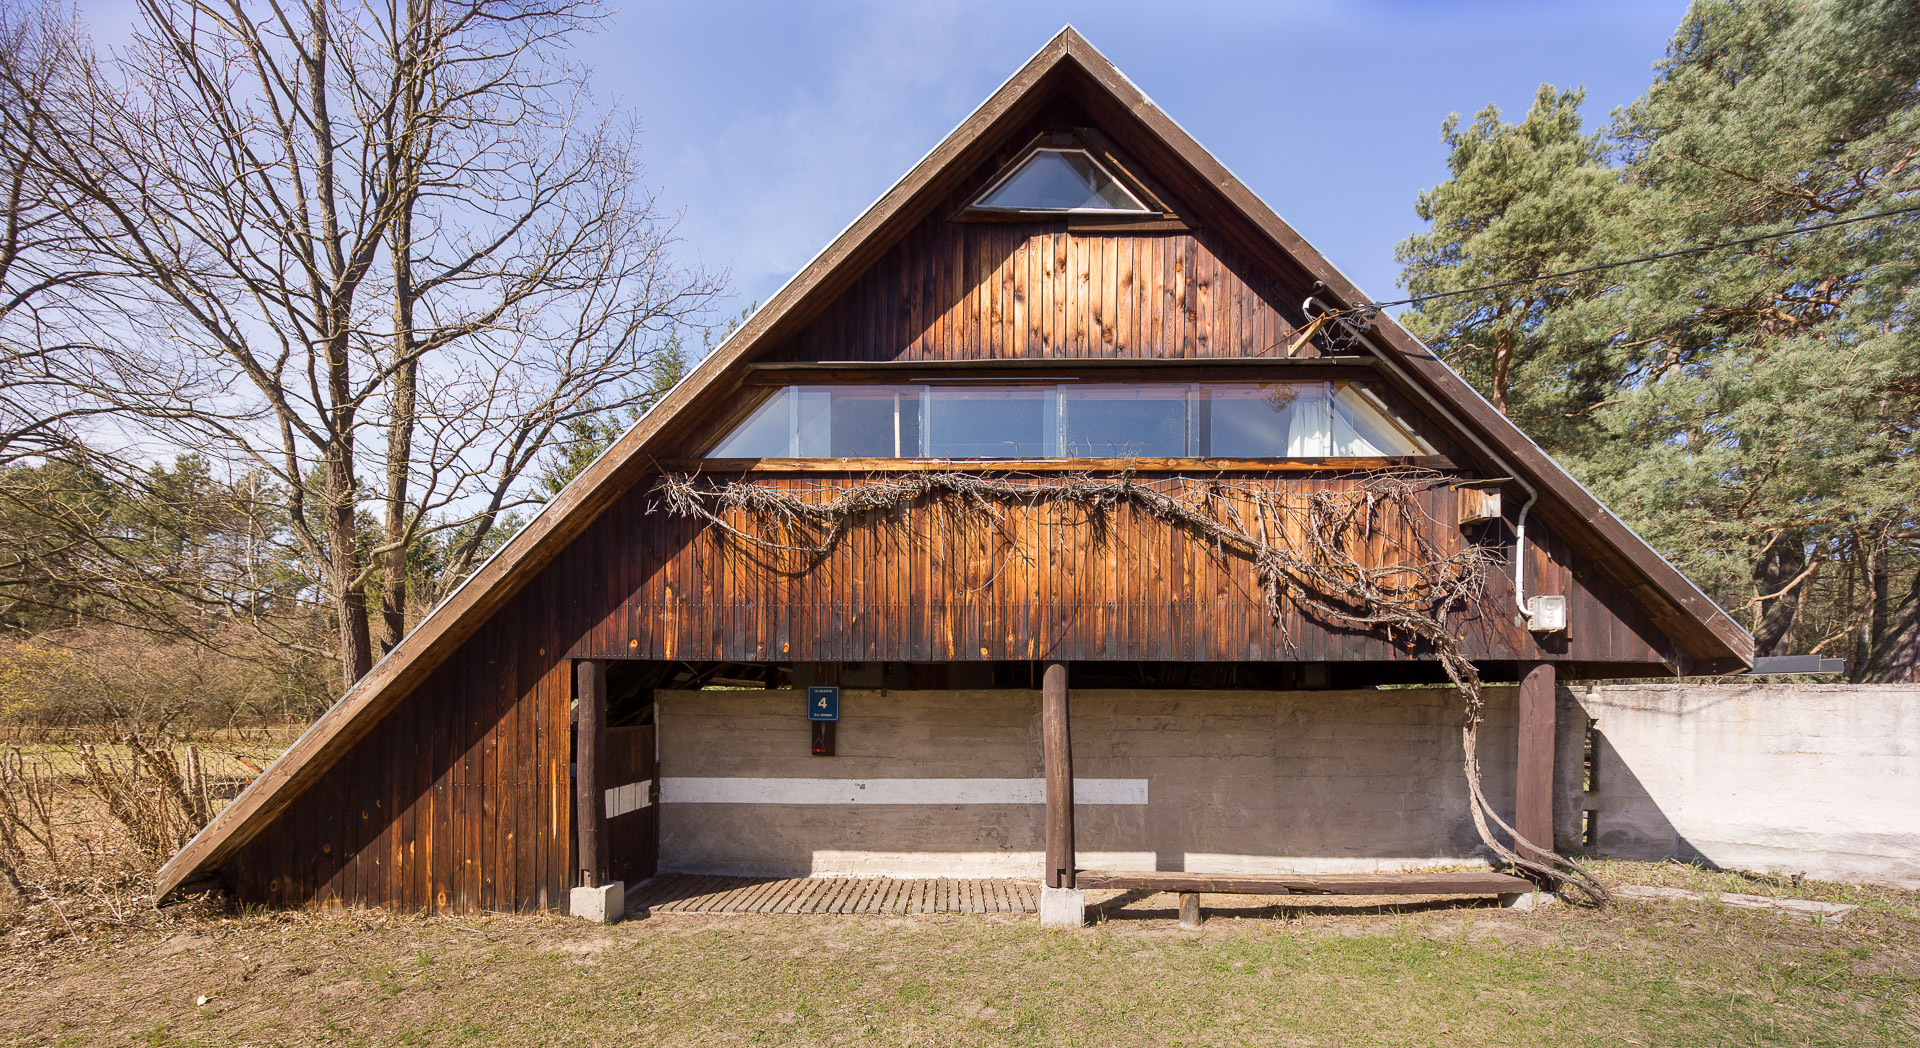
458 802
930 583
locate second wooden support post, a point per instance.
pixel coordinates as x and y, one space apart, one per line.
1061 904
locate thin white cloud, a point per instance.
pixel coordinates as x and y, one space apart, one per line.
794 172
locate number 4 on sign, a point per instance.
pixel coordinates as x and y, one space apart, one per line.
823 702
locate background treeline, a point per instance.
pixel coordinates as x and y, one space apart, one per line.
1751 410
303 308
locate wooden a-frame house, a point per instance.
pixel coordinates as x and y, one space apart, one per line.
1071 407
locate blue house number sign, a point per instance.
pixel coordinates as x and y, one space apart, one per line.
823 702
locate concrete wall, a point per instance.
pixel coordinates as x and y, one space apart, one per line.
947 782
1819 779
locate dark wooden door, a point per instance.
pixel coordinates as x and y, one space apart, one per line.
632 798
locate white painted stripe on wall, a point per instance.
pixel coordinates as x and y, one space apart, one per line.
893 791
631 797
827 863
1221 862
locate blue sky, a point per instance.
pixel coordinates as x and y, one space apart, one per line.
771 126
775 125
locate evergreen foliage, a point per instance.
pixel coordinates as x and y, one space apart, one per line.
1751 410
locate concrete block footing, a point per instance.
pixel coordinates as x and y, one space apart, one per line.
1528 900
1062 907
603 905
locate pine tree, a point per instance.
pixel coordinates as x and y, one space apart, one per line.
1525 200
1753 410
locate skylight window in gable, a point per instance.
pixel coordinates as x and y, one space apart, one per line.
1061 180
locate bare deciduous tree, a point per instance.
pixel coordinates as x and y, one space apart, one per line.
56 379
400 238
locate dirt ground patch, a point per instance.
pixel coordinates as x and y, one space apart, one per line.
1634 974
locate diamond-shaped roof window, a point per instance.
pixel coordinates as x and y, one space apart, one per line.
1059 180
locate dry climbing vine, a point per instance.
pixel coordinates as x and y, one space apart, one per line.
1300 545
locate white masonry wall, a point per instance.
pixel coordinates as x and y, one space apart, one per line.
949 782
1818 779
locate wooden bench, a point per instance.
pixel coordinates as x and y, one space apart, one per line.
1189 886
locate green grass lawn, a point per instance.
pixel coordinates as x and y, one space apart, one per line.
1681 974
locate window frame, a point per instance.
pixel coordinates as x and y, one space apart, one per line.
1141 210
1054 419
1160 215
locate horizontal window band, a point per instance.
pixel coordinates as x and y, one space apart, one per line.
892 791
1072 421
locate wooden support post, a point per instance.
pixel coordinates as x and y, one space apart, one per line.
1533 782
590 757
1189 909
1057 754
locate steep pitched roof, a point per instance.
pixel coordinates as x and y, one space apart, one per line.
1711 641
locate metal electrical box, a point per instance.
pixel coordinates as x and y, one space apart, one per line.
1547 614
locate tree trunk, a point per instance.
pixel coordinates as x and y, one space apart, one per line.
1503 342
1782 565
1879 585
1895 657
349 599
402 403
393 589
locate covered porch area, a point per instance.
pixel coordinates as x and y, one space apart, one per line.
963 799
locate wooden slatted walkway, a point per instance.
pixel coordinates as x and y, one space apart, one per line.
695 893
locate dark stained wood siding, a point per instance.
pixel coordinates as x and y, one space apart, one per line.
932 583
457 802
996 291
460 799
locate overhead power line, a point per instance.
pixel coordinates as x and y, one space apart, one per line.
1655 257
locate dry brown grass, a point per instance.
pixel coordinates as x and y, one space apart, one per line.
85 823
1678 974
87 960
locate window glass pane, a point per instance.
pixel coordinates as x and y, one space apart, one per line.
1311 435
767 433
1060 180
912 408
812 423
862 422
1116 421
1265 420
1362 428
1004 422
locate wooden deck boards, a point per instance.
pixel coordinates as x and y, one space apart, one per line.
688 893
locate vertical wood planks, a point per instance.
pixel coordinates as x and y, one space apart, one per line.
931 583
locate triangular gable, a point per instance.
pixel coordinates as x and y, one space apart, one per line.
1710 639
